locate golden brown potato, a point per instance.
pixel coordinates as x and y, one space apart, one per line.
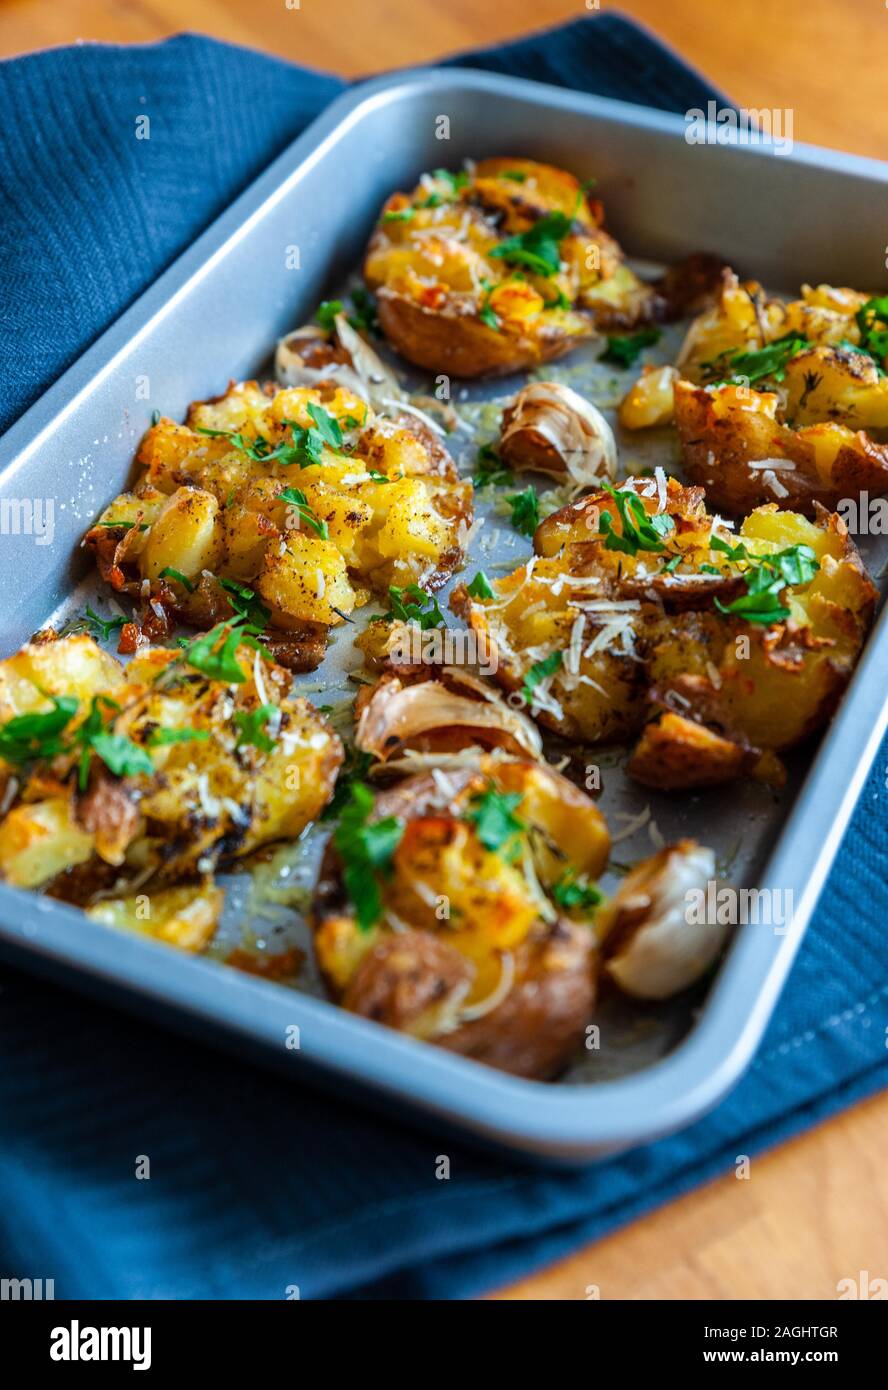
640 602
293 506
462 931
144 776
499 269
776 402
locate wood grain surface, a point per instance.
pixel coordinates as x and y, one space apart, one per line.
816 1210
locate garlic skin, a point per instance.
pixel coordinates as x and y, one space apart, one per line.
307 356
395 714
551 429
657 951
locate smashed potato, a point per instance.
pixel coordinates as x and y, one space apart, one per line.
440 911
134 779
293 507
775 401
640 616
500 268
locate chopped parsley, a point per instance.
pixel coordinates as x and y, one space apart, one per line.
525 511
160 738
624 350
327 311
413 605
490 469
169 573
639 531
27 737
399 215
480 587
766 579
123 525
246 604
498 828
516 175
251 726
297 498
537 248
538 672
768 362
214 653
366 849
873 340
119 754
573 893
102 628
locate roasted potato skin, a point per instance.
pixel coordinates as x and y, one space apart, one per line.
723 432
726 696
214 506
418 978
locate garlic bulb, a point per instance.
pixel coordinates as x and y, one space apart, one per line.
660 945
551 429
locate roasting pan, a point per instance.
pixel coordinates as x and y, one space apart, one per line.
812 215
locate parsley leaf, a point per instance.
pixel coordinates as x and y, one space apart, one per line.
26 737
874 341
525 511
327 311
769 361
570 892
180 578
214 653
490 468
639 531
766 579
161 737
297 498
251 724
119 754
366 849
624 350
498 828
480 587
102 628
246 603
538 672
536 248
422 609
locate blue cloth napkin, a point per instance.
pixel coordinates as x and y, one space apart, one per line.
257 1187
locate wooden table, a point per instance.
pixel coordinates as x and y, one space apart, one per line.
816 1210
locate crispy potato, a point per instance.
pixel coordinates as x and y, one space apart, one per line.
470 949
457 294
185 917
236 762
598 639
809 431
220 499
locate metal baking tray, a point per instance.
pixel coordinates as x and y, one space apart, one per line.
215 314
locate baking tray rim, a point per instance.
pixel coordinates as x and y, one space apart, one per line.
571 1120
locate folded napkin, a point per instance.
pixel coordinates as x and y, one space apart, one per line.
257 1186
